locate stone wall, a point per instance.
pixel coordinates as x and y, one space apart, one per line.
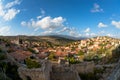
42 73
63 72
56 72
115 75
85 67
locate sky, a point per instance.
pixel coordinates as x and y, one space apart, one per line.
78 18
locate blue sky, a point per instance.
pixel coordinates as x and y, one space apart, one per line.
68 17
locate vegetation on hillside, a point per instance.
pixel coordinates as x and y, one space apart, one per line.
32 63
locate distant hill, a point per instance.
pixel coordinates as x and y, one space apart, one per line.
54 39
70 37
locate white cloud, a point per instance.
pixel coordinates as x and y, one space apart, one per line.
110 35
11 4
87 30
38 17
8 12
93 34
89 35
23 23
50 25
5 30
1 10
45 23
65 29
42 12
101 32
47 32
70 31
96 8
116 24
36 29
101 25
73 33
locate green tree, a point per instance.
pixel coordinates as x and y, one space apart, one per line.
33 51
80 53
32 64
71 59
3 67
51 56
2 56
1 50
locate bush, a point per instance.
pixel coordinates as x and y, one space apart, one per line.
2 56
1 50
88 58
7 44
4 77
33 51
71 60
10 71
80 53
88 76
97 57
32 64
51 56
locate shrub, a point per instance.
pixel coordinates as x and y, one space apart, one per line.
2 56
1 50
51 56
80 53
32 64
88 76
71 60
32 50
4 77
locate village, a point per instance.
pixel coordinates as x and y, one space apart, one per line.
80 57
94 47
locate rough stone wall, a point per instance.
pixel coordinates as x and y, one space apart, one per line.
61 72
42 73
115 75
85 67
56 72
65 76
64 73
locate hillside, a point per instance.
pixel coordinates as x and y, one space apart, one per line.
102 47
102 52
55 40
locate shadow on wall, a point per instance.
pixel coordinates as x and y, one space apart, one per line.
115 75
116 53
111 56
28 78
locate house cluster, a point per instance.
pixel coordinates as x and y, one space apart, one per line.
98 44
41 50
